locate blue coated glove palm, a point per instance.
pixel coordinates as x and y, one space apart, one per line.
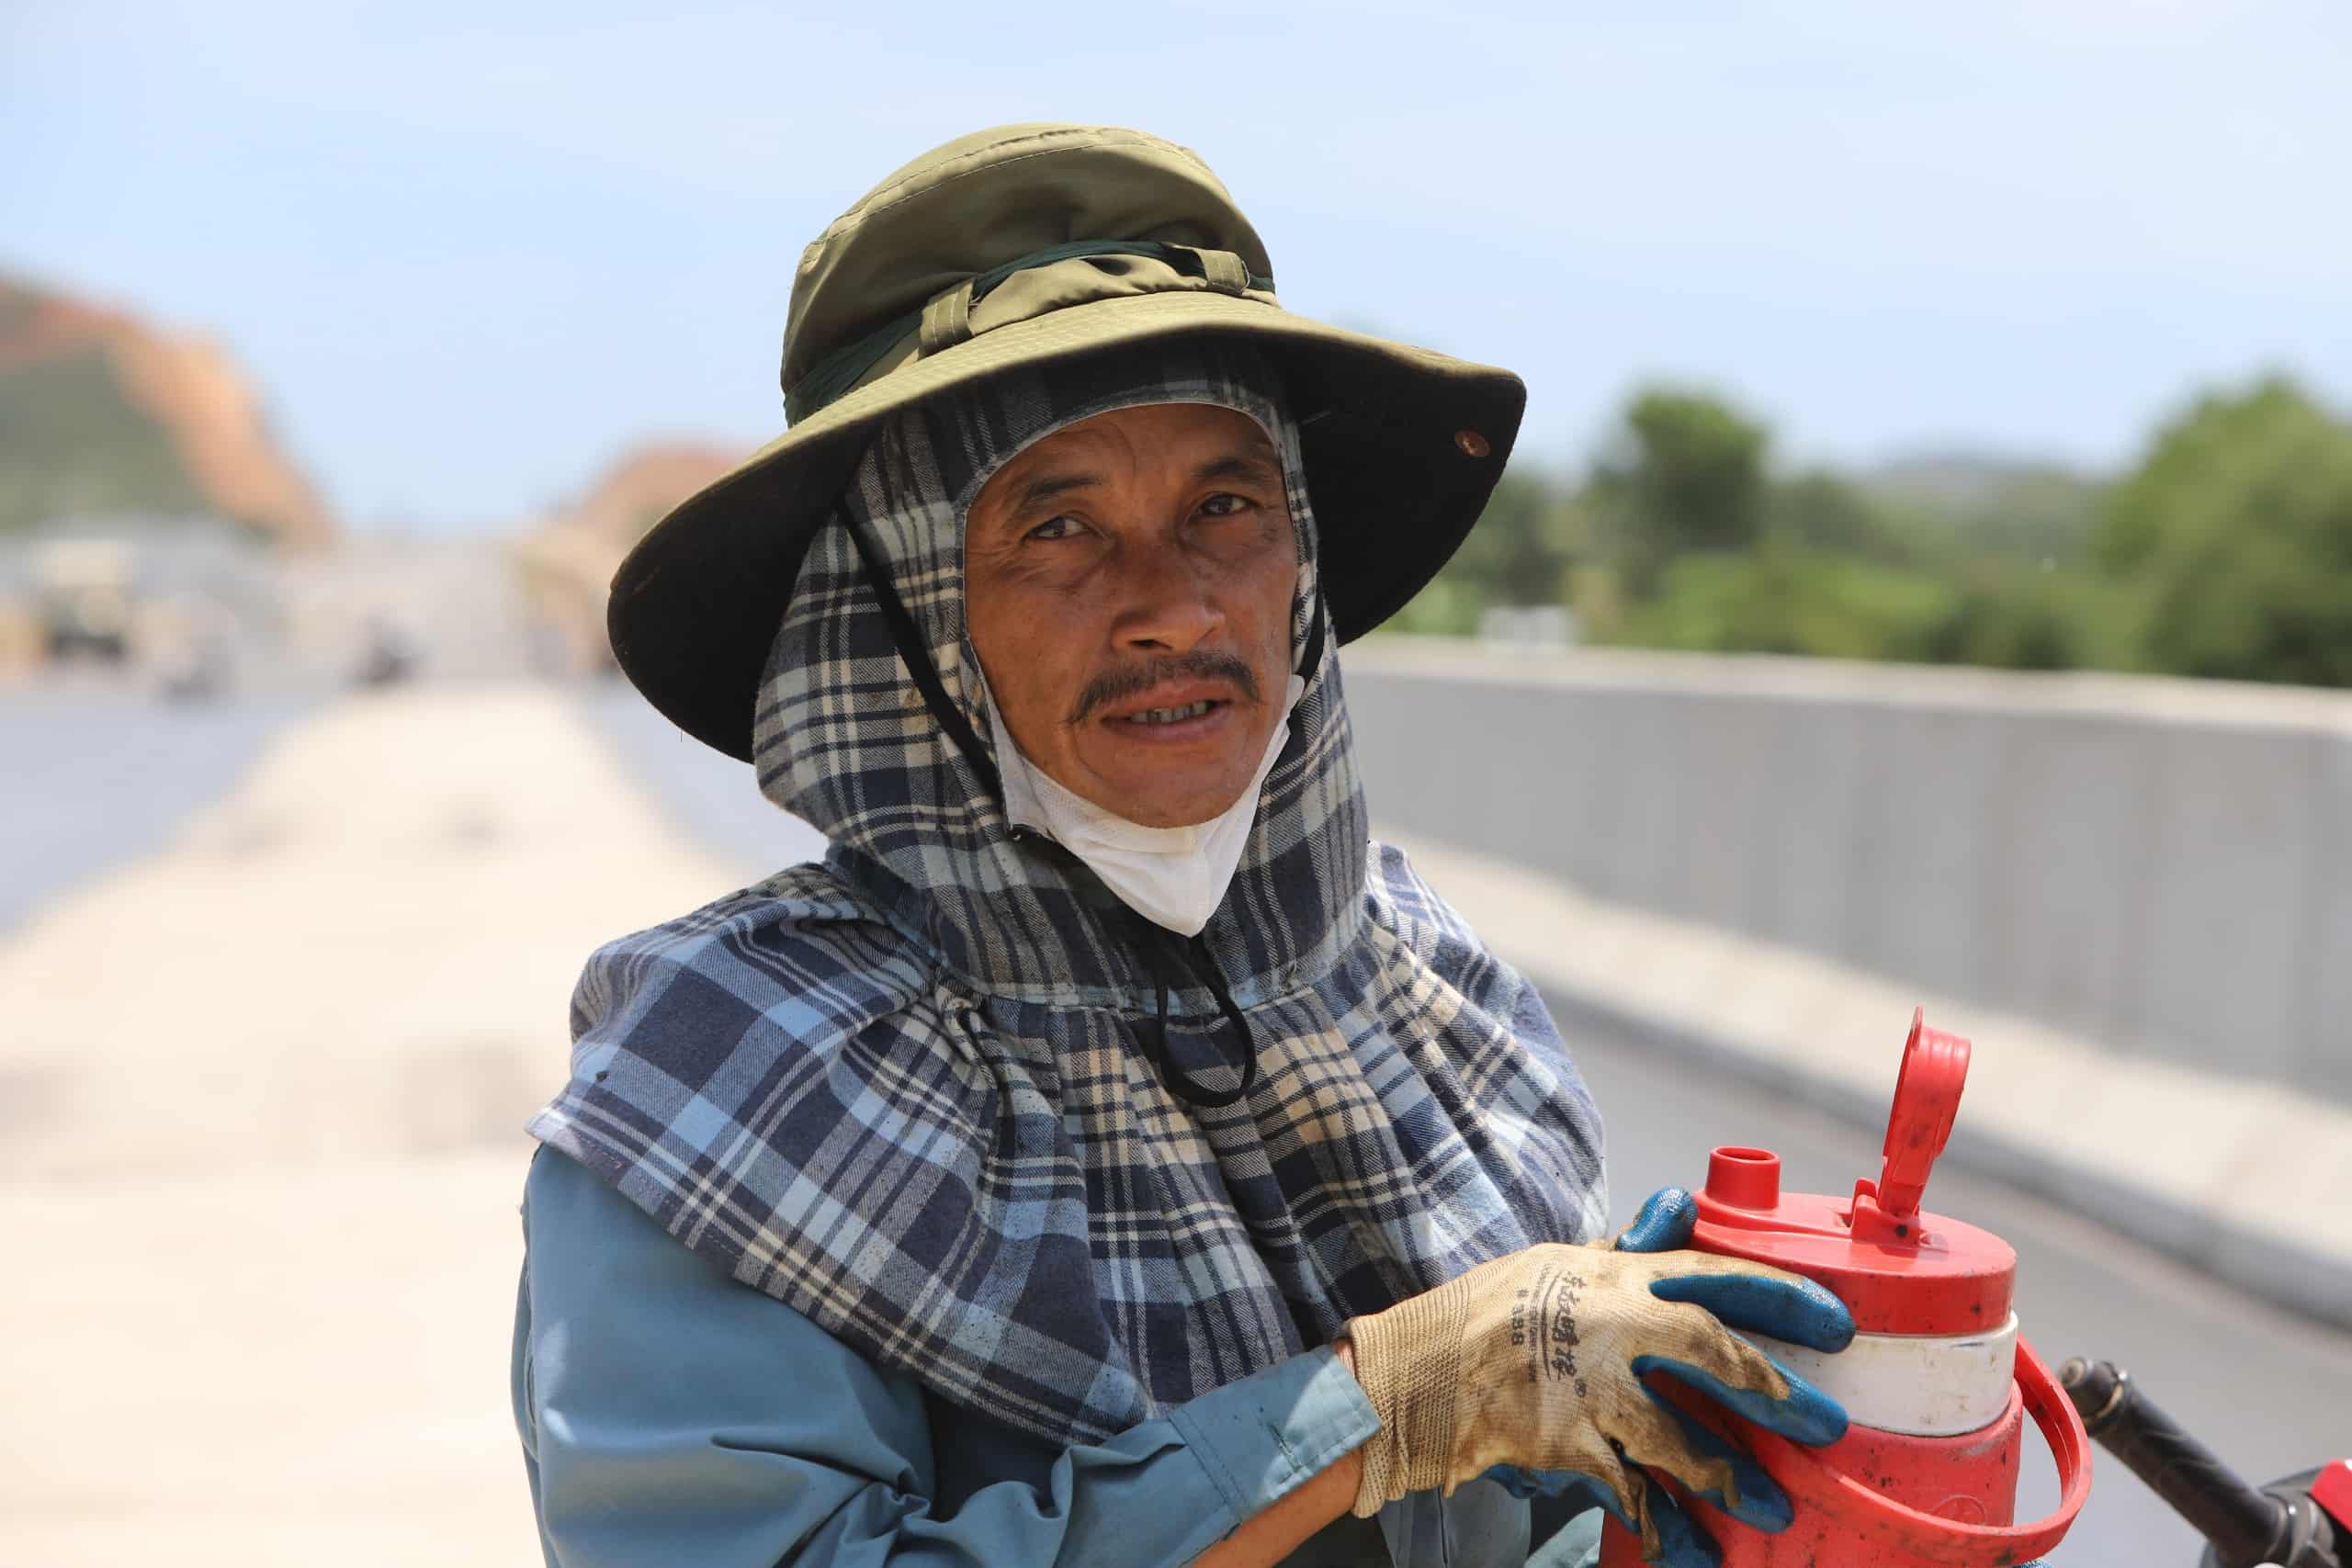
1746 1297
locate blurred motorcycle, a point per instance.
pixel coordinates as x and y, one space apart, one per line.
388 657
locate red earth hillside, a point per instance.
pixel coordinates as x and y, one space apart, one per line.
102 413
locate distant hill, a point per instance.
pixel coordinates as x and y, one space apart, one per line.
1999 505
636 492
568 560
101 413
1966 481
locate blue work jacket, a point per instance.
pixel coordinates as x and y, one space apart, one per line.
673 1418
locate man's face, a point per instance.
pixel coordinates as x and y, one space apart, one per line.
1127 580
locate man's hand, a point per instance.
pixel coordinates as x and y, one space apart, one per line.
1533 1363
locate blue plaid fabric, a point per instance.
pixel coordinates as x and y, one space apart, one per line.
901 1090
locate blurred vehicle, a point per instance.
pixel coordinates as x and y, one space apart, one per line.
197 669
83 588
189 644
389 657
201 678
187 604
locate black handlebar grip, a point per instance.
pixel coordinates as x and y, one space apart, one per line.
2246 1526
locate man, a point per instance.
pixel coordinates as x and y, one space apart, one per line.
1107 1154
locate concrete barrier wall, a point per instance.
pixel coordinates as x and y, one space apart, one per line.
2165 866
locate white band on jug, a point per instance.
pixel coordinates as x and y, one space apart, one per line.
1918 1386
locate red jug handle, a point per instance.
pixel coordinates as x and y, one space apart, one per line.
1934 1539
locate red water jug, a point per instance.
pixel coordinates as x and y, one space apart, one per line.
1937 1384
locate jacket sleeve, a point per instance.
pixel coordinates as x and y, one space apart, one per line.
672 1416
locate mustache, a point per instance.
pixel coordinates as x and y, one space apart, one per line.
1130 680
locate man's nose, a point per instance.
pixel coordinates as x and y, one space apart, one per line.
1165 607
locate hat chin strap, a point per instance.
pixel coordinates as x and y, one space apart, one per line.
917 658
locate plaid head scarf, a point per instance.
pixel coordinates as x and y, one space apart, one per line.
945 1097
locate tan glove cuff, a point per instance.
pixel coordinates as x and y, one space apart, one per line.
1408 1359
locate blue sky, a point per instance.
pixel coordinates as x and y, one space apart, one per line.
472 251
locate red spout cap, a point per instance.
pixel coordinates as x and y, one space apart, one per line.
1900 1269
1744 1178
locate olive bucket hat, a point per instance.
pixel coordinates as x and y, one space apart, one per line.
1017 246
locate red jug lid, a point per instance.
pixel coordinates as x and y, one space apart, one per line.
1899 1268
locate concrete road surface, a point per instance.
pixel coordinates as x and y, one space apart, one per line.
98 778
261 1096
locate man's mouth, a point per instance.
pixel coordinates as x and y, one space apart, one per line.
1175 713
1171 716
1177 695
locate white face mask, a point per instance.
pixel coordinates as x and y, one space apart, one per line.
1171 876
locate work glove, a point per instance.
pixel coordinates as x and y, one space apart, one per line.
1531 1367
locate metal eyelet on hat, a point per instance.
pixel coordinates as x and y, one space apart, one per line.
1472 443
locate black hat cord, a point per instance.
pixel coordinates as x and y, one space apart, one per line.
1171 959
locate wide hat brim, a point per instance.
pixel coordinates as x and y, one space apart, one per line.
1402 447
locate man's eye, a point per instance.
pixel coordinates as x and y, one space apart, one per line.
1060 528
1225 504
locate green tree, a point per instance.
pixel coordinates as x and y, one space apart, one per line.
1825 511
1783 598
2009 615
1519 554
2232 540
1686 474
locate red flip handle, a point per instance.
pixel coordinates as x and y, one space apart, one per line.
1927 1099
1934 1539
